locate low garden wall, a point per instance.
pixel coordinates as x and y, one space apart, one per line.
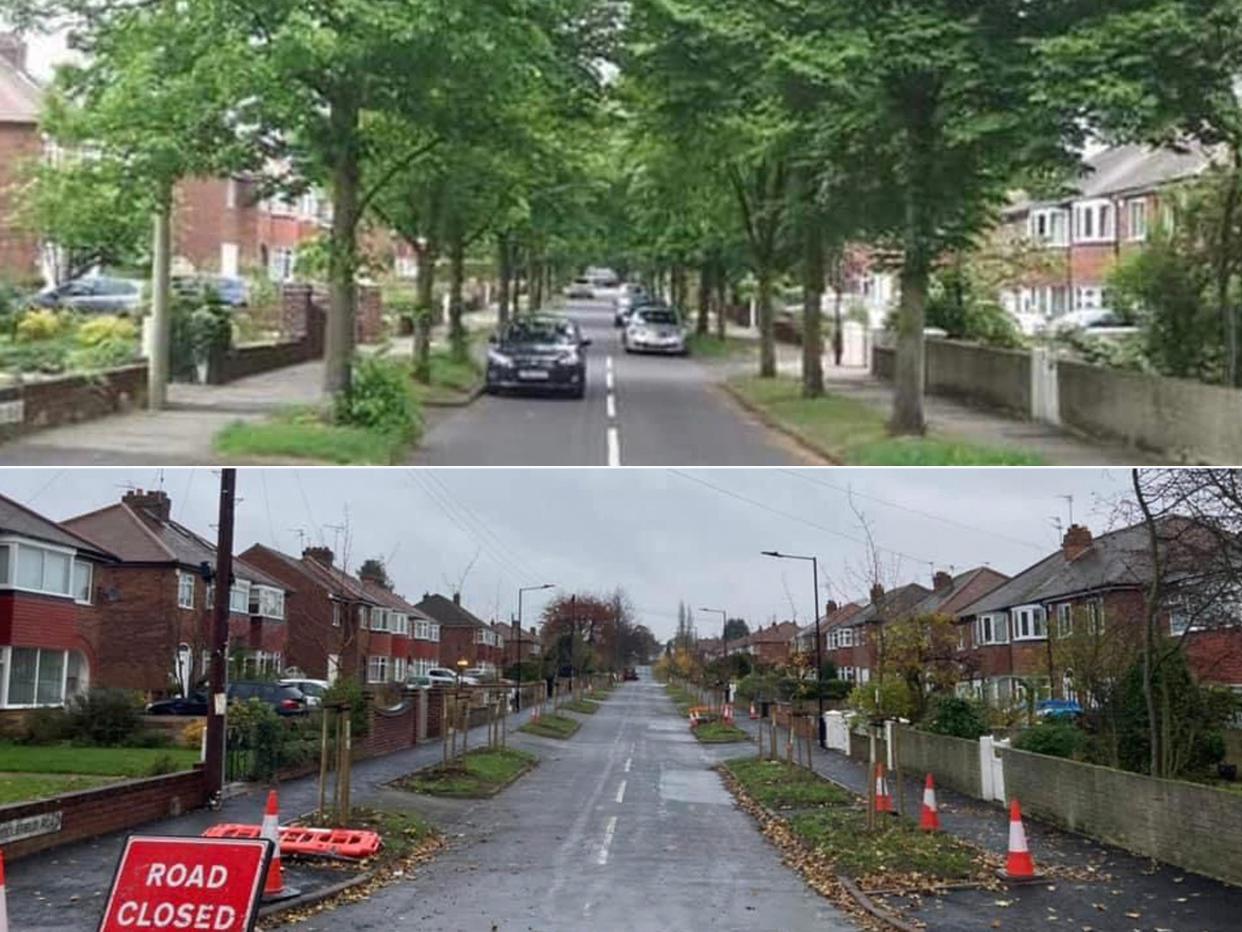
241 361
983 375
27 828
954 761
1195 827
35 405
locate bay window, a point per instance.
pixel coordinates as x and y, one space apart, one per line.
268 601
36 676
377 668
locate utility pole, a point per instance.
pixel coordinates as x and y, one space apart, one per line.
218 699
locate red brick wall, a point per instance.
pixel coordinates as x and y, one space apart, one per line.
92 813
393 730
31 620
75 398
19 252
369 319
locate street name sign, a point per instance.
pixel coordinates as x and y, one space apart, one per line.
169 882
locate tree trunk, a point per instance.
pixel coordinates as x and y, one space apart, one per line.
813 294
1224 263
425 313
457 278
705 298
909 378
838 325
1150 612
161 312
767 325
536 282
504 270
722 299
343 254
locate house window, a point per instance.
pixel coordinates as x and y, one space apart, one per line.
185 590
847 637
1095 616
1136 219
1065 619
40 569
1089 299
435 632
239 597
1094 222
422 630
377 669
1049 227
362 616
1029 623
336 614
82 575
230 193
992 629
398 669
268 601
33 676
280 264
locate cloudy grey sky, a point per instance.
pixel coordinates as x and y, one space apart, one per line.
662 535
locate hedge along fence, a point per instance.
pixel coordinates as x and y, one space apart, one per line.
1194 827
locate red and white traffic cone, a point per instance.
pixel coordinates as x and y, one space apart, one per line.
1019 865
753 713
929 820
4 911
883 802
274 885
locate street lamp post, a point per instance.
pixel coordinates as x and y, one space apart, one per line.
819 650
518 702
724 644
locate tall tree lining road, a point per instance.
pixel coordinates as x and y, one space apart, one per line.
663 412
625 826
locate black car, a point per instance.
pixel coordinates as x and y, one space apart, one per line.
286 700
544 353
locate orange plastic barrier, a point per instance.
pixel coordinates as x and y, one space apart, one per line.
311 842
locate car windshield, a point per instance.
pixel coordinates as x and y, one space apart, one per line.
658 317
539 331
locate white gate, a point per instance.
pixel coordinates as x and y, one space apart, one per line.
992 768
837 731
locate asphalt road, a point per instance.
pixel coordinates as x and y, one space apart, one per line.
638 411
624 826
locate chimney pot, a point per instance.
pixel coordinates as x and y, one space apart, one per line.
321 555
1077 540
941 581
831 607
457 598
156 504
877 592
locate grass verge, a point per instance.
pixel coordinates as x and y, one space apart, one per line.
710 346
856 434
477 775
32 759
829 824
306 435
583 706
452 380
681 698
552 726
719 733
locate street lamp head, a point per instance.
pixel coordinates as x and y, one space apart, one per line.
463 663
772 553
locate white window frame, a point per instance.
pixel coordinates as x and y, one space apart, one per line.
378 668
239 597
398 669
11 558
90 580
992 628
6 670
1065 619
847 637
434 633
184 601
1029 623
1136 218
336 614
1095 221
267 602
1054 233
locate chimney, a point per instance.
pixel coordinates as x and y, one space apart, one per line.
13 50
877 593
156 504
457 598
369 575
942 581
830 607
321 555
1077 539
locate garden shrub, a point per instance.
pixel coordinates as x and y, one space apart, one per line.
162 765
105 717
952 715
1056 739
380 398
192 734
39 325
45 726
348 690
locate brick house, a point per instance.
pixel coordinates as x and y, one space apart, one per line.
1080 238
154 607
341 625
1094 583
522 645
20 143
771 646
833 616
52 582
463 635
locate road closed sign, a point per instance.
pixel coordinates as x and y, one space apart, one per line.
212 884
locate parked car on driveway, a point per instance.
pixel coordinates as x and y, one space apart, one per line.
93 294
655 330
314 690
543 353
442 676
286 700
228 290
193 704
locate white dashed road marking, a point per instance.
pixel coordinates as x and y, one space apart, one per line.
602 857
621 792
612 406
614 447
614 432
628 761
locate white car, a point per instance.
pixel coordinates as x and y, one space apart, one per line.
442 676
1092 320
655 330
314 690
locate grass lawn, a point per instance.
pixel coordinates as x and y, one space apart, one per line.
719 733
305 435
856 434
451 380
115 762
23 787
584 706
552 726
478 774
833 822
710 346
